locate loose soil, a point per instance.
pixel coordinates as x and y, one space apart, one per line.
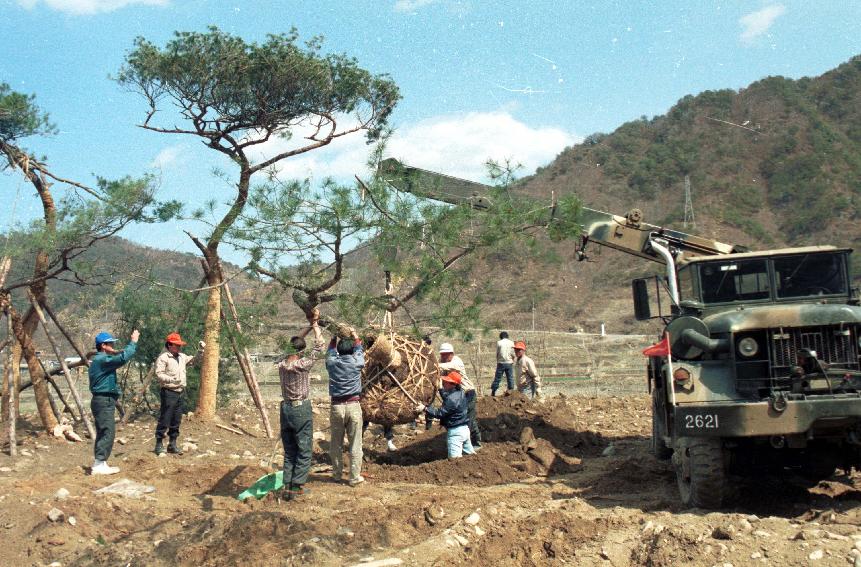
565 482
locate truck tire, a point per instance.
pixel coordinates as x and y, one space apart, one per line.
659 448
700 472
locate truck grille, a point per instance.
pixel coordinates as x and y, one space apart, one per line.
836 346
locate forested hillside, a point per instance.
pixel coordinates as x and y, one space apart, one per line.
777 163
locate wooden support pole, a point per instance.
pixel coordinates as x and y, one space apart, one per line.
12 405
253 385
66 334
229 429
245 367
54 409
66 406
10 380
87 423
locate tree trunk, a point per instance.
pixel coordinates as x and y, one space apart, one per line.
26 327
215 277
209 364
40 385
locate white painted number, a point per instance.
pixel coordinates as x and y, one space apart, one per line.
707 421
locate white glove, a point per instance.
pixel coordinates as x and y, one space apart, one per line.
201 344
420 408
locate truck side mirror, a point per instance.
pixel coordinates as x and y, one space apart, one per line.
641 300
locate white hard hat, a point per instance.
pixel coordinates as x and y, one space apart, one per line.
446 347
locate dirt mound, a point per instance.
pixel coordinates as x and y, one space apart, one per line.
628 474
521 438
547 538
502 419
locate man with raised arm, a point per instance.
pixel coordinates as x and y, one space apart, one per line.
106 392
297 419
345 359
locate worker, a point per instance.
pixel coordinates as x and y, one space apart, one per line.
170 369
452 414
504 363
105 393
344 362
450 361
297 425
525 372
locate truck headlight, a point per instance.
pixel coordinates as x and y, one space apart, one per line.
681 374
748 347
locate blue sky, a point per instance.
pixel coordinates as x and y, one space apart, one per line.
519 79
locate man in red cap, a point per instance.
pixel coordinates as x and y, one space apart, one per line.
170 367
525 372
453 415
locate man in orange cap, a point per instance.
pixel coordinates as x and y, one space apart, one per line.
453 415
170 367
525 372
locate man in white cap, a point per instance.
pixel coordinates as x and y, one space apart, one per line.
450 361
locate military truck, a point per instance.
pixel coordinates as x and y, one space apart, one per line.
758 364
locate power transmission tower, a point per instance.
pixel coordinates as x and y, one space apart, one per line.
689 204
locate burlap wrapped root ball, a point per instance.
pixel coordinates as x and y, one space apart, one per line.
390 360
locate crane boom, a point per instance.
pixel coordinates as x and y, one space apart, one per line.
626 233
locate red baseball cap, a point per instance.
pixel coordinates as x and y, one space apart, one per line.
174 338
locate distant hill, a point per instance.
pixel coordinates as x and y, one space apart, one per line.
124 258
787 172
777 163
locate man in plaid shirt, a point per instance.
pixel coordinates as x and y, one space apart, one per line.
297 428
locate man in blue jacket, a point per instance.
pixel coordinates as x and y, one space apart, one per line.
344 362
103 387
453 415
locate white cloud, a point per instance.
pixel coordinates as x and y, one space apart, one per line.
85 7
169 156
757 23
411 5
460 144
455 144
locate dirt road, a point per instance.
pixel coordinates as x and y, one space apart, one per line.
567 482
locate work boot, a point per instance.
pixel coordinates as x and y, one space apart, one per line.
493 393
159 446
172 448
295 492
101 467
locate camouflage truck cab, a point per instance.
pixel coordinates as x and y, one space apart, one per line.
763 370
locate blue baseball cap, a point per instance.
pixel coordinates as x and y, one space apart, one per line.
104 337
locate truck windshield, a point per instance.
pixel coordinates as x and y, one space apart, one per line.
743 280
810 275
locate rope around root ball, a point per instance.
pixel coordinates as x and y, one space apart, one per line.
386 402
